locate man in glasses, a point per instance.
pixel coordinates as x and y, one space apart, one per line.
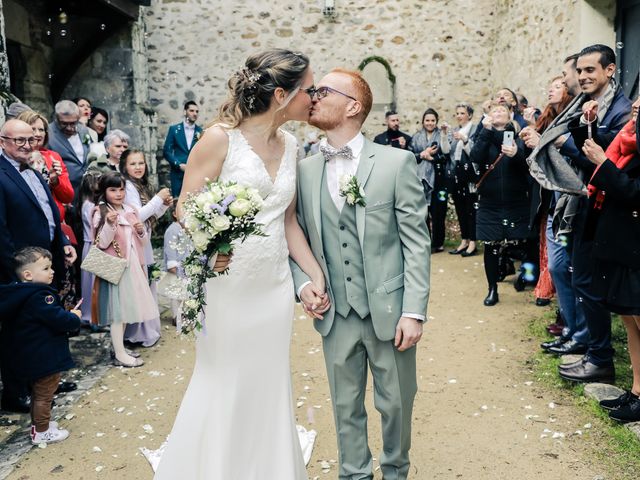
393 136
28 217
363 210
70 139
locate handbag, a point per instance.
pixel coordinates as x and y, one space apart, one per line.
103 265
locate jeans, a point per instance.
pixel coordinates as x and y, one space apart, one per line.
561 273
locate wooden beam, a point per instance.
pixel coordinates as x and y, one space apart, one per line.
129 8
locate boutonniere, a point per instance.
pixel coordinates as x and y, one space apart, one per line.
352 191
86 139
197 136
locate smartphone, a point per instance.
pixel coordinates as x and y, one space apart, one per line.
507 139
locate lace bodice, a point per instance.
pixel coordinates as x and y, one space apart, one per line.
266 256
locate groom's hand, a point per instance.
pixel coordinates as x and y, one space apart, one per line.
315 303
408 333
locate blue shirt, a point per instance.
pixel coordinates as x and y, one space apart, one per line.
31 178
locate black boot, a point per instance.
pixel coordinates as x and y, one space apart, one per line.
492 296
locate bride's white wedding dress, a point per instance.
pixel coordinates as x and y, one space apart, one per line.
236 420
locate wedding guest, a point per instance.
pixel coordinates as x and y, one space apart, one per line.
49 163
85 205
614 224
393 136
15 109
464 198
150 207
84 105
180 140
70 139
98 130
429 147
508 97
120 233
177 248
38 331
503 192
115 142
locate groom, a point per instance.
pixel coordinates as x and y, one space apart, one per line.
371 240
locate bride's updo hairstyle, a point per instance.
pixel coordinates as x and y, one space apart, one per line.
251 88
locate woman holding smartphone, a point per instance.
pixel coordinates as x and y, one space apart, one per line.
502 220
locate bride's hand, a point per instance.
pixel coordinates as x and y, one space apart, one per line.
222 263
320 290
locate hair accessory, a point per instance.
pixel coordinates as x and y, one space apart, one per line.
251 77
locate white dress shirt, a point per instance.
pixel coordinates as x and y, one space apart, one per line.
338 167
189 132
76 144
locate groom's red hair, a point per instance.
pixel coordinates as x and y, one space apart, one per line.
364 95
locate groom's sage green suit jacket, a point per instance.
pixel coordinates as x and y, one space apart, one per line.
392 233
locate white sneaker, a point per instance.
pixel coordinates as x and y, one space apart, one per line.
52 435
52 423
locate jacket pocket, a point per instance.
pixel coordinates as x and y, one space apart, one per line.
379 206
394 283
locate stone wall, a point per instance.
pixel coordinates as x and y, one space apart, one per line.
441 52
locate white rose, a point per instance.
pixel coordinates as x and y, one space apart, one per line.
240 207
344 181
235 190
221 223
202 199
200 240
191 223
191 304
216 194
351 198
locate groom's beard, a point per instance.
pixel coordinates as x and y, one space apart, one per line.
326 118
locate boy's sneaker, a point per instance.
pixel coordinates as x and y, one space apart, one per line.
52 435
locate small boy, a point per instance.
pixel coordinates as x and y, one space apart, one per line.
37 328
177 248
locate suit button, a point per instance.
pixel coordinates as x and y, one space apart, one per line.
346 262
341 227
348 279
344 245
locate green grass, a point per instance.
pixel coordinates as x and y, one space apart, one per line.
616 447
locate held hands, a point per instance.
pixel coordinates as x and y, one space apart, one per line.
590 110
165 195
112 217
70 255
139 228
530 137
510 150
408 333
594 152
222 262
315 300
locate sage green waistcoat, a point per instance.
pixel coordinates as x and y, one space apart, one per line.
343 255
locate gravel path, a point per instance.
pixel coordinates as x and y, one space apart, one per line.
479 412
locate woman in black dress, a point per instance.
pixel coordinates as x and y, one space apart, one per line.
504 199
614 221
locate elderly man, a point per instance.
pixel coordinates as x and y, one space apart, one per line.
70 139
28 217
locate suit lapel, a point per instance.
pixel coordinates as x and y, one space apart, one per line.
362 175
182 136
317 177
20 182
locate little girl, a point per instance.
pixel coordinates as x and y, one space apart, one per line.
119 232
85 202
150 207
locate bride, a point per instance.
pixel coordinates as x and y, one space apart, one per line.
236 420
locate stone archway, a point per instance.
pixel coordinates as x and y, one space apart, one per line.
377 72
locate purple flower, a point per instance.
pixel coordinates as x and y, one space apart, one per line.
228 200
220 208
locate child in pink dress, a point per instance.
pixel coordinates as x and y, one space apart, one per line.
119 232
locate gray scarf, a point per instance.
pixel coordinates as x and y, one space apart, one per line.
552 171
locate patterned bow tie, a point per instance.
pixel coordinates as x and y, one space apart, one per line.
330 153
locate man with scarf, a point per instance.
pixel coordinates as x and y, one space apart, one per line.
599 112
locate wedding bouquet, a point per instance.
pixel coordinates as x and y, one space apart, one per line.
213 218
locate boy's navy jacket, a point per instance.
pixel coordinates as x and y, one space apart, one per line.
35 329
